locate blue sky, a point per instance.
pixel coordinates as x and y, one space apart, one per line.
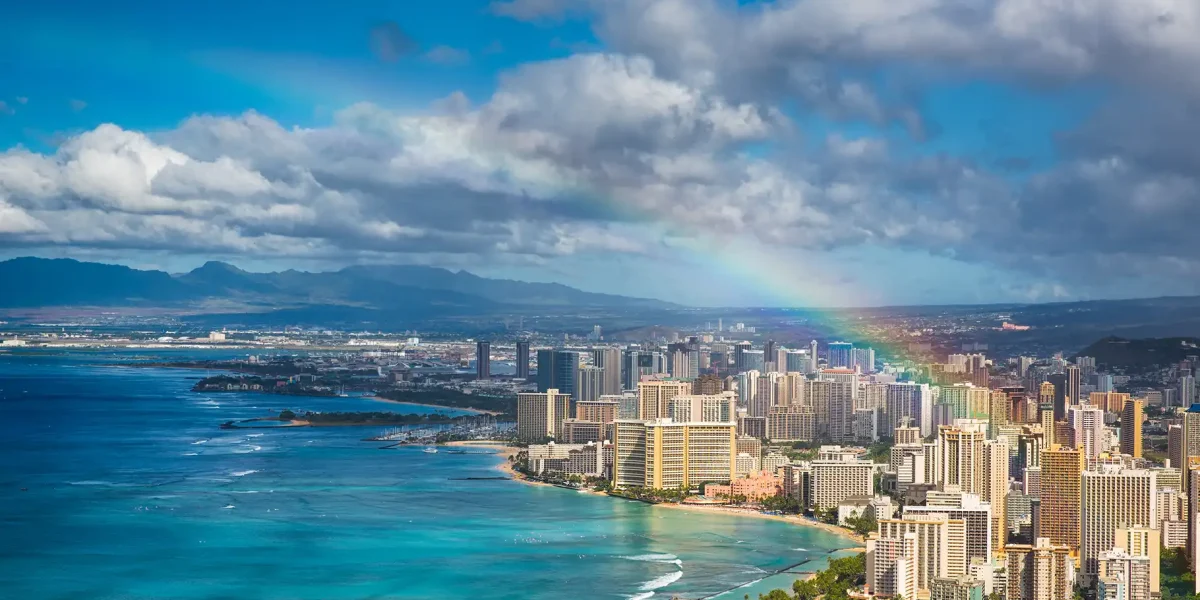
633 143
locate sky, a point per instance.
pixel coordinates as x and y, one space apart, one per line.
707 152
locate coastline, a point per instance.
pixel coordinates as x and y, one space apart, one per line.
479 411
749 512
506 467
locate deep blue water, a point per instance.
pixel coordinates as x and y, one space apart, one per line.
133 492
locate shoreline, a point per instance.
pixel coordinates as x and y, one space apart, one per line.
506 467
469 409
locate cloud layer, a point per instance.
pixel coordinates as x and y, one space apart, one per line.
684 127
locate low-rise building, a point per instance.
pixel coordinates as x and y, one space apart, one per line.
755 488
957 588
569 459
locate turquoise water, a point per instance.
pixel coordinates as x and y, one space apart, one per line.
133 492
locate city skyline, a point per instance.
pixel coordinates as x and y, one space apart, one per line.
860 157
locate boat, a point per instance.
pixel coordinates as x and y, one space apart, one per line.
430 450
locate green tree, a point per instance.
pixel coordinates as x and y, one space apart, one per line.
286 415
775 595
805 589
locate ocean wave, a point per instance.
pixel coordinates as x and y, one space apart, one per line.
245 450
801 549
662 581
244 492
191 454
652 557
204 441
243 473
641 596
209 402
254 435
228 506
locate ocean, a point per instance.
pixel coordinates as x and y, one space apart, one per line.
115 482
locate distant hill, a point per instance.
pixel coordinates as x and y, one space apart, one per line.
34 282
1143 353
38 282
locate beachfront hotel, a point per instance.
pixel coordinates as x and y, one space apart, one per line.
665 454
840 476
540 415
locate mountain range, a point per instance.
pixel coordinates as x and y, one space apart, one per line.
39 282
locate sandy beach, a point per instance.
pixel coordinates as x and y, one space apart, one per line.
467 409
749 512
506 466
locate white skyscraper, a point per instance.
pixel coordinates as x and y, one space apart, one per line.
1087 430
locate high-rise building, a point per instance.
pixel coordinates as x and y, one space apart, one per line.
908 401
837 480
654 397
1191 435
1049 431
483 360
566 368
769 357
1023 364
1131 428
841 355
864 360
1113 498
833 404
694 408
1087 431
814 362
995 489
523 361
796 361
664 454
1175 446
1062 468
941 544
608 359
603 410
791 424
541 415
891 566
739 357
1059 381
1042 571
967 400
1123 576
998 411
545 369
1113 402
960 459
1143 544
708 384
589 383
971 510
1074 385
1104 382
907 434
639 363
1187 390
1087 366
